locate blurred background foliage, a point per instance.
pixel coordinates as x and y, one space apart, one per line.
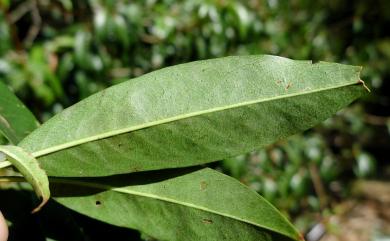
55 53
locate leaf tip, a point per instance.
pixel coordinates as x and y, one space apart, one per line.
301 237
364 85
44 201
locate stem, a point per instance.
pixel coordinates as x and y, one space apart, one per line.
376 120
318 186
5 164
12 179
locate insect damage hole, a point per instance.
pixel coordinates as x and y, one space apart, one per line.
98 203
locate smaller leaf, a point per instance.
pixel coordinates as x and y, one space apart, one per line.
29 167
16 121
176 205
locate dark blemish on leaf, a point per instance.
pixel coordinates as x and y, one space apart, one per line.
207 221
288 85
278 82
203 185
98 203
120 144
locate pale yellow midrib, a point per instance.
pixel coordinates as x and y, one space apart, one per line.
175 118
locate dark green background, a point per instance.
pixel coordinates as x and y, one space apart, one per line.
55 53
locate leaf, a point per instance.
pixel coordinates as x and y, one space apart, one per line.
28 166
191 114
177 205
16 121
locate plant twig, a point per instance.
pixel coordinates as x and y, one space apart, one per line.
318 185
19 12
36 24
376 120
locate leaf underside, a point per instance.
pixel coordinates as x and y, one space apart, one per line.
191 114
183 116
177 205
29 167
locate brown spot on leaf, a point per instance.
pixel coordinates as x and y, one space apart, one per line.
207 221
288 85
203 185
98 203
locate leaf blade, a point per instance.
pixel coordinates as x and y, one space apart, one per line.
16 121
29 167
171 117
186 202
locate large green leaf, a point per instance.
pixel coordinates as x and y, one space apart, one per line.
191 114
29 167
16 121
177 205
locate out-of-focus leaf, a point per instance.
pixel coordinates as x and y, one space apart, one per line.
41 77
298 183
16 121
121 30
81 49
365 165
329 168
235 165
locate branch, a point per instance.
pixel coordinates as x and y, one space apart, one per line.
36 24
376 120
20 11
318 185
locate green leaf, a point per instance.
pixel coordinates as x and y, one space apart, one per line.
191 114
16 121
177 205
28 166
